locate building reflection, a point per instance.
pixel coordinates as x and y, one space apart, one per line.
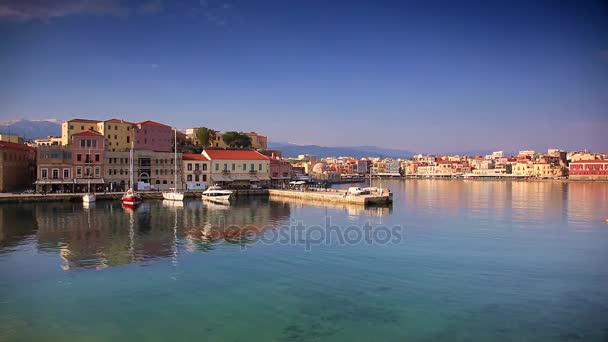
17 224
107 234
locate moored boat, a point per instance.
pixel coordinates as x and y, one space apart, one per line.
217 194
173 194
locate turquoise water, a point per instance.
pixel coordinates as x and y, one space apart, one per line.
469 261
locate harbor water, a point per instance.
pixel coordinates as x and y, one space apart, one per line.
450 260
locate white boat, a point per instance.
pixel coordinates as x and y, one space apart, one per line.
173 194
89 197
217 194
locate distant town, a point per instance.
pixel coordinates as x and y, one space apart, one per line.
98 153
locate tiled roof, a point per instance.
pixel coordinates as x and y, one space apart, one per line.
152 123
6 144
84 120
590 161
118 121
88 134
193 156
235 155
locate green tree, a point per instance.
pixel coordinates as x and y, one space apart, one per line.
237 139
205 136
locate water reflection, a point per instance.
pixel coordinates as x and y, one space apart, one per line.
105 234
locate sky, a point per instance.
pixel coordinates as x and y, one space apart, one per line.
425 76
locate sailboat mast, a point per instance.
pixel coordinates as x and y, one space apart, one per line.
175 160
131 157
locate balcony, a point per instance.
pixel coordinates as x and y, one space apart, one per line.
253 171
225 172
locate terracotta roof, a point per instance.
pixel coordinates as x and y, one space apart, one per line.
153 123
119 121
88 133
193 156
6 144
590 161
84 120
235 155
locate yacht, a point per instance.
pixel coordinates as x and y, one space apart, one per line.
173 194
217 194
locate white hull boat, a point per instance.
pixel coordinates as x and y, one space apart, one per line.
218 195
89 198
173 195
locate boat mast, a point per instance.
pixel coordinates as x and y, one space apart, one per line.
131 166
89 178
175 160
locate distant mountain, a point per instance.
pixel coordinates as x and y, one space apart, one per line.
292 150
31 129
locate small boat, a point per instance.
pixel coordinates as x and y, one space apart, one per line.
131 198
173 194
217 194
88 198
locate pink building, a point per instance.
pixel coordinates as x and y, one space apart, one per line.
280 171
154 136
88 159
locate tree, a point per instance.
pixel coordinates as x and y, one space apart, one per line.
237 139
205 136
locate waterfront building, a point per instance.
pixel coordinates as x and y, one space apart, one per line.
55 171
280 171
593 169
153 136
580 156
522 168
17 166
48 141
74 126
15 139
152 170
196 171
528 153
238 168
118 134
88 150
362 166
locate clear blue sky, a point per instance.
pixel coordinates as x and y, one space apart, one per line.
428 76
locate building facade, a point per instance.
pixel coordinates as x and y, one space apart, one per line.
88 153
54 171
154 136
195 171
151 170
17 166
596 169
238 168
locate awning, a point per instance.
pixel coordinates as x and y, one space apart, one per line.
263 177
240 177
55 181
86 181
219 178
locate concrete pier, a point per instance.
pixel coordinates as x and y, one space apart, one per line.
337 196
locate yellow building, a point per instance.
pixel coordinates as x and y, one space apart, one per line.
117 133
15 139
48 141
75 126
542 170
522 168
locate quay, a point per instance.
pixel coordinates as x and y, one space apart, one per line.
77 197
333 195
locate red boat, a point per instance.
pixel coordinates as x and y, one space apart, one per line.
131 198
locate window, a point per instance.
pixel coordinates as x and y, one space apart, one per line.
233 167
204 178
189 178
71 126
97 157
225 167
88 143
156 171
196 178
66 173
204 167
87 171
94 143
44 173
79 156
189 166
244 167
252 167
259 167
217 167
97 171
115 137
82 143
79 171
128 139
82 128
197 167
109 136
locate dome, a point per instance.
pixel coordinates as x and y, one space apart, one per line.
319 168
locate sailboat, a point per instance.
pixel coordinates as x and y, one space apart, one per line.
131 198
89 197
173 194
